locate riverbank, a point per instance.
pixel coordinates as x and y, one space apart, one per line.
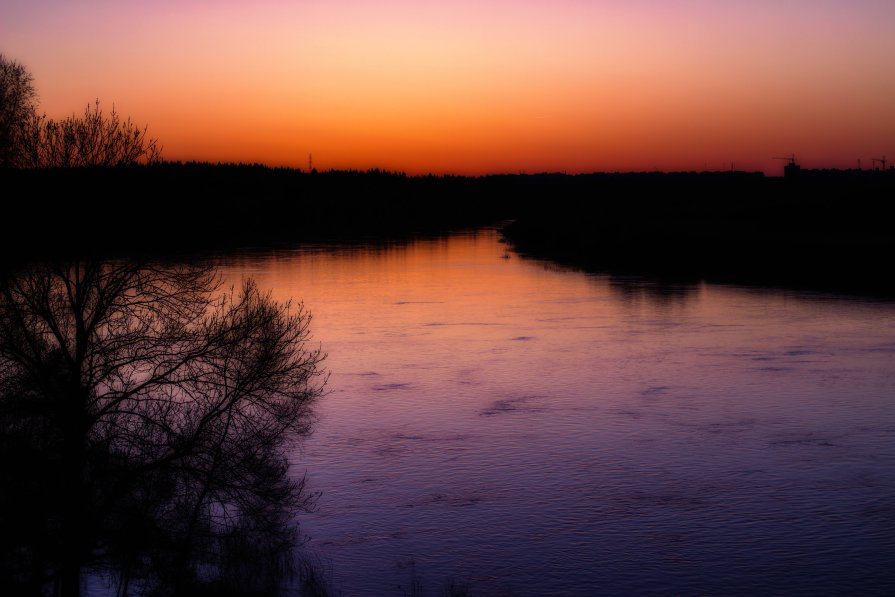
188 208
828 231
824 229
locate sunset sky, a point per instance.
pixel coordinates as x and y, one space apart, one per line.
476 86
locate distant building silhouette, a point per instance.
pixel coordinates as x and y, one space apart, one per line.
791 169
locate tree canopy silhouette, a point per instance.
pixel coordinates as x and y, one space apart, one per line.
145 418
32 140
17 109
92 139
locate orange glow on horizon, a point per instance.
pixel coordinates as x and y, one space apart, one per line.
474 87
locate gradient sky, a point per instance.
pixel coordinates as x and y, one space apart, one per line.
476 86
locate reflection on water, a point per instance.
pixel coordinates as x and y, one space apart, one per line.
546 432
658 292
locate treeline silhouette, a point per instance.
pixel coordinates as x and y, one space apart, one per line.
96 185
830 229
826 229
175 207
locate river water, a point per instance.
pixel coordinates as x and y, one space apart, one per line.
527 430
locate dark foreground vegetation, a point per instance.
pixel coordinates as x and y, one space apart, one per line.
146 418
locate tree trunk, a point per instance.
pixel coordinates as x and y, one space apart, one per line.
72 530
75 509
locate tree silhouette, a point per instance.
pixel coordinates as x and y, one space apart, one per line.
145 419
32 140
93 139
17 109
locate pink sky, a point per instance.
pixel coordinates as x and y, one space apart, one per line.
477 86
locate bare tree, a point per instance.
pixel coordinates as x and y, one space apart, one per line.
18 105
159 413
32 140
93 139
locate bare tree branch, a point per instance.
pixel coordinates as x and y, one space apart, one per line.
171 405
92 139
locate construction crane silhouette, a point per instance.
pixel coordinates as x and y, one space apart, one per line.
791 159
791 168
881 161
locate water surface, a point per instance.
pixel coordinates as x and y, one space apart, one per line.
535 431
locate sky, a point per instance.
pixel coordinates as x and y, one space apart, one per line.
476 86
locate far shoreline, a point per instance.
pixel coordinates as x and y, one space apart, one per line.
825 229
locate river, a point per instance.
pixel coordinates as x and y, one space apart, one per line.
529 430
